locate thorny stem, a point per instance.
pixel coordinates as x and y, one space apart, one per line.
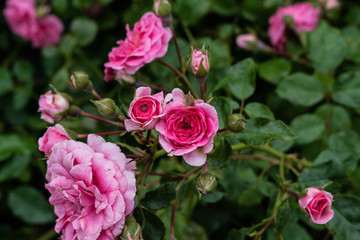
177 46
101 134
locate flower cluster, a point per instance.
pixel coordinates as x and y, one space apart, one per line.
37 25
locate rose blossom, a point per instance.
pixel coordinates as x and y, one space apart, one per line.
305 18
187 128
92 188
145 110
52 104
24 20
147 41
317 203
52 135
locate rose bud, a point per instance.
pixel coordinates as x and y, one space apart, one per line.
52 135
106 107
53 107
329 4
131 230
199 64
80 80
317 204
162 8
206 183
236 122
250 42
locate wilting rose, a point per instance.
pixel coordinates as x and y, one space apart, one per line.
52 135
145 110
92 188
317 203
147 41
305 18
187 128
52 104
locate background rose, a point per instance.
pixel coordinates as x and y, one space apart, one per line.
51 104
305 18
317 203
52 135
48 32
147 41
92 188
188 131
145 110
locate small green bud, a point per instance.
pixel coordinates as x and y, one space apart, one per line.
206 183
80 81
106 106
162 8
236 122
131 230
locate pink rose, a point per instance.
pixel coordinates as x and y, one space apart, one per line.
147 41
23 20
329 4
305 18
317 203
145 110
92 188
51 105
187 128
52 135
198 57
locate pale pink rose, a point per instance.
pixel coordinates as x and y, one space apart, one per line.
48 32
145 110
249 41
92 188
196 58
52 104
147 41
52 135
330 4
305 18
23 20
317 203
188 131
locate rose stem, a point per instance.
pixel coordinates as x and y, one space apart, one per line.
206 165
222 130
85 114
258 236
148 134
134 156
202 91
101 134
173 209
185 177
291 192
177 46
164 175
182 75
93 92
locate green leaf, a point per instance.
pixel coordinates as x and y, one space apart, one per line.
282 216
59 5
238 234
308 127
346 221
352 37
301 89
21 97
220 155
258 110
5 81
347 90
241 79
327 48
23 70
275 69
191 11
346 158
258 132
30 205
346 141
160 197
338 116
294 231
15 167
224 7
10 143
84 29
223 109
151 226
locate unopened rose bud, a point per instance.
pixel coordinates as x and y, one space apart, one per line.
236 122
250 42
54 107
80 81
199 64
106 106
131 230
206 183
162 8
329 4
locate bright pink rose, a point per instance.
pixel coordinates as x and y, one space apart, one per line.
317 203
147 41
24 21
52 135
92 188
305 18
187 128
197 56
52 104
145 110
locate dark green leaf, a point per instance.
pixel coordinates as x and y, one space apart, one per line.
59 5
308 127
352 37
21 97
224 7
23 70
238 234
191 11
294 231
84 29
347 90
338 116
223 109
151 226
160 197
301 89
30 205
10 143
275 69
5 81
220 155
327 48
14 167
345 158
346 141
282 217
258 110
